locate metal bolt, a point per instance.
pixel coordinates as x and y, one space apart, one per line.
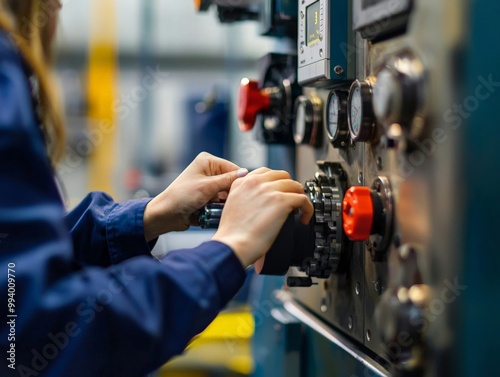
360 178
338 70
321 52
379 163
358 288
350 323
378 286
323 306
302 15
368 335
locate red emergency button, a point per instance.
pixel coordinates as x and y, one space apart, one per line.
252 100
357 213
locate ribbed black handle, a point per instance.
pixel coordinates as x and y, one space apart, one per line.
209 216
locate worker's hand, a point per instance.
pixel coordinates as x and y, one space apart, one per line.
205 180
256 209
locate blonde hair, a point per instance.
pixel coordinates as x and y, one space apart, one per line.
23 21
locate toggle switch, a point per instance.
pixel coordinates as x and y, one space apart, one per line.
266 105
252 101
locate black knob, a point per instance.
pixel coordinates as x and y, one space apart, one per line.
209 216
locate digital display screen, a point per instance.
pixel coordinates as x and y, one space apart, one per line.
312 27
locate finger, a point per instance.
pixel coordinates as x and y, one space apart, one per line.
274 175
302 202
223 182
218 165
286 185
259 171
220 197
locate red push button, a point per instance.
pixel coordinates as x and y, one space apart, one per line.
357 213
252 100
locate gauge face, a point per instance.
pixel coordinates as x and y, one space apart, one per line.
333 116
388 98
356 111
361 118
300 123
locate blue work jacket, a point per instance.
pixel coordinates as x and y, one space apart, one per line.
80 293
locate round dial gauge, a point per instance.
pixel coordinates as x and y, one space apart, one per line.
336 125
399 96
308 118
360 111
387 97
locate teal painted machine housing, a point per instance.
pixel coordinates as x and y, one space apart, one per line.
330 60
476 344
278 18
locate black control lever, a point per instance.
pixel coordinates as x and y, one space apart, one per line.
209 216
292 246
300 281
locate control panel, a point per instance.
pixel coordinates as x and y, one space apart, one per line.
370 100
325 41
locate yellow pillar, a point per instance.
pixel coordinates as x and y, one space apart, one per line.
102 83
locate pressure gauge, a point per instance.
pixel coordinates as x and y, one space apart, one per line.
360 111
308 121
399 96
337 126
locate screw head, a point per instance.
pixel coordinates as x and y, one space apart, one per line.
350 323
338 70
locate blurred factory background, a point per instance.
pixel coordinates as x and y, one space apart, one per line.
162 69
147 85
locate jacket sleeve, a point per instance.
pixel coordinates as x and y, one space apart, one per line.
73 320
105 232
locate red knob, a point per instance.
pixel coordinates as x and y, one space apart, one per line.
252 100
357 213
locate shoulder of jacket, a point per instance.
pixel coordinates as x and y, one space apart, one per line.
7 44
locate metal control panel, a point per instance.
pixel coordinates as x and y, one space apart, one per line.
325 40
384 130
388 270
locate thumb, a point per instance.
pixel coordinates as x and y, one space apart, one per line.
224 181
